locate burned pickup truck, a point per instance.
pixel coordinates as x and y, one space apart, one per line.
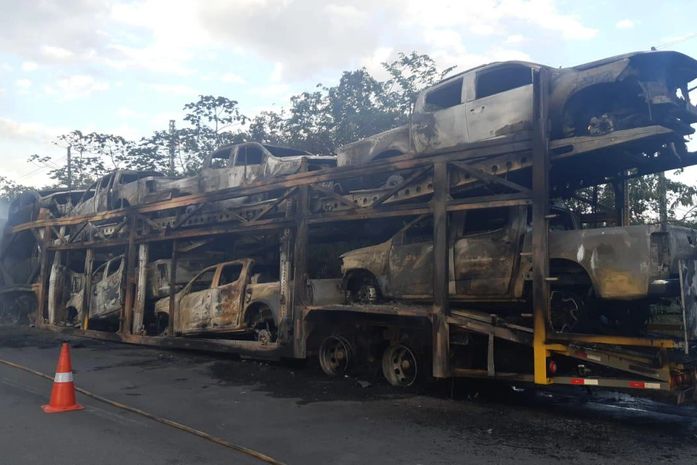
118 189
620 270
240 164
237 298
623 92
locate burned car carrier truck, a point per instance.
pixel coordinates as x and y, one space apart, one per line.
444 248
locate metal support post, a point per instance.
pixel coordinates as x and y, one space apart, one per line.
300 272
87 287
285 299
540 210
441 331
55 280
141 289
172 289
126 323
42 291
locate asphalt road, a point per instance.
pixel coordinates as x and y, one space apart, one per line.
299 416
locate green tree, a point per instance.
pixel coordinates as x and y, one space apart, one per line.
215 120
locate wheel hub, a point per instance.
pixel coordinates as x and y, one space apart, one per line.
335 355
399 365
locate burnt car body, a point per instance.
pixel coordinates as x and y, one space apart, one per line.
241 164
627 91
118 189
237 297
67 293
490 260
158 273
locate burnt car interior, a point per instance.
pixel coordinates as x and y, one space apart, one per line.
502 78
445 96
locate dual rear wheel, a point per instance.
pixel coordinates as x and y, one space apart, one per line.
400 365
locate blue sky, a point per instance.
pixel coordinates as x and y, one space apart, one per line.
128 67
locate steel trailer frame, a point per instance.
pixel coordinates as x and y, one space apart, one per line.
648 362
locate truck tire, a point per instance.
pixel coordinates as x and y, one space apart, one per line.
400 365
335 355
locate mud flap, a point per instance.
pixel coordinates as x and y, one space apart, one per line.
688 293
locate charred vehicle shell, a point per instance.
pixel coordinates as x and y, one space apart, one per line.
622 92
240 164
118 189
67 293
489 260
236 297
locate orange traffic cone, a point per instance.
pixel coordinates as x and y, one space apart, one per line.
63 391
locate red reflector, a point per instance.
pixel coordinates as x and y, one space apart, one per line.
576 380
637 384
552 367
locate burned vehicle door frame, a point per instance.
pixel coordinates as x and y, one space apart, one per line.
485 251
219 306
94 199
483 263
440 116
249 165
410 259
499 100
107 290
239 164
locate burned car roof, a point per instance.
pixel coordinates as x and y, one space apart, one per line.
276 150
680 59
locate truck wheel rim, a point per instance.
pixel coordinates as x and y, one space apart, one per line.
335 355
399 365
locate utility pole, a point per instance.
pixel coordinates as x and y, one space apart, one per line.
70 169
172 146
662 199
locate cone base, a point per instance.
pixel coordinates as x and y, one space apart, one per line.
69 408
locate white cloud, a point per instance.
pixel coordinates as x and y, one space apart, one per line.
29 66
75 86
22 131
56 53
171 39
624 24
309 36
233 78
278 91
128 113
161 119
373 63
23 84
174 89
277 72
515 39
494 17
